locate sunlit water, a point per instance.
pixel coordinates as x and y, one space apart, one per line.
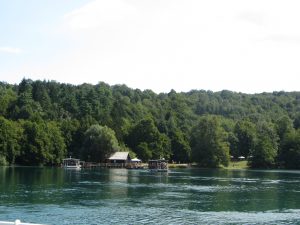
118 196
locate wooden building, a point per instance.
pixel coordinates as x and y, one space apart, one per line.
118 160
119 157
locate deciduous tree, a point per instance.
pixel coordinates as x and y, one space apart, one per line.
208 143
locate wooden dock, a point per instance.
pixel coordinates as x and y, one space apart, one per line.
112 165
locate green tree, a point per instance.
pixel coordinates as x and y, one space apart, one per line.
7 99
57 147
25 107
146 135
3 161
40 94
121 108
10 134
290 150
104 103
42 144
143 151
245 132
209 143
284 125
266 148
181 150
99 143
71 133
33 151
297 121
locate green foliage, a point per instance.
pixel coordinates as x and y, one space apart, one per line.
290 151
149 124
70 129
297 121
56 146
284 125
266 149
143 151
124 148
146 140
10 134
181 150
7 99
208 143
99 143
245 132
3 161
42 144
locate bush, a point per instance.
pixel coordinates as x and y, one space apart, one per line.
3 161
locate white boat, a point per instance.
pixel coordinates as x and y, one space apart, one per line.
159 165
71 163
17 222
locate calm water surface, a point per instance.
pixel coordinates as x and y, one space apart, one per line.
118 196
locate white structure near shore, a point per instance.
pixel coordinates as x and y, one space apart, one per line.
71 163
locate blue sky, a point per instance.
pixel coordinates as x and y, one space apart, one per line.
240 45
30 35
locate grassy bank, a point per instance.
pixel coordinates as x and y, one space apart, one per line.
177 166
237 165
232 165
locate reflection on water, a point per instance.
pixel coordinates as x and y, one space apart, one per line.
110 196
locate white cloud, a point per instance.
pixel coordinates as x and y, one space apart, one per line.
11 50
256 18
97 13
241 45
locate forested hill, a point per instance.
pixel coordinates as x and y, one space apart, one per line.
42 122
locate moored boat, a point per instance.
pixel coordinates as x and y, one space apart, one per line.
159 165
71 163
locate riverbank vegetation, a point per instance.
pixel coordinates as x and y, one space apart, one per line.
237 165
41 122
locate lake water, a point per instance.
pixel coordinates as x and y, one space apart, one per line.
119 196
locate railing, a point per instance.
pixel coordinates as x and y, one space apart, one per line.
128 165
17 222
112 165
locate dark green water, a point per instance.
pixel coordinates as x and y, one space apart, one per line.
118 196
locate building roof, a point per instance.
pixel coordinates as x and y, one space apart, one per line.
119 156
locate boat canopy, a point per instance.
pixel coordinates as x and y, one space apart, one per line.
136 160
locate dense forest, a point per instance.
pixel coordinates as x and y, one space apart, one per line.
41 122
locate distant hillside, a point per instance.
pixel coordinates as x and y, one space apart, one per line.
169 117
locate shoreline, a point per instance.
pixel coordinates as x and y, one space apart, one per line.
233 165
